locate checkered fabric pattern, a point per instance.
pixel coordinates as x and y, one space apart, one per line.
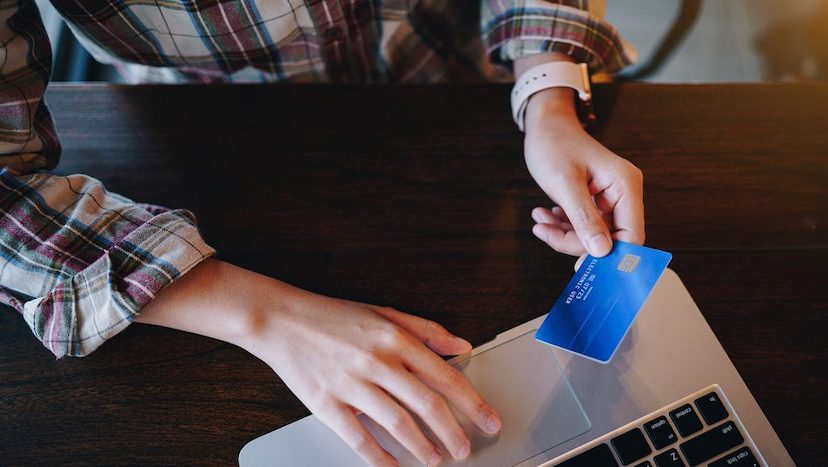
78 261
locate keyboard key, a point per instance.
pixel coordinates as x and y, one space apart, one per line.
660 432
711 408
686 420
741 458
712 443
631 446
599 456
645 464
669 458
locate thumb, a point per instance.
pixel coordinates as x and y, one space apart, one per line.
587 221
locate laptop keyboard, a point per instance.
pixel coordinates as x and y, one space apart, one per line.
700 429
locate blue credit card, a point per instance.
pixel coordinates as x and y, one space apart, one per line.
600 303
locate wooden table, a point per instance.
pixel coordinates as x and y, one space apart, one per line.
418 198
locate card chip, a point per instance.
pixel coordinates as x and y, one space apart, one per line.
628 263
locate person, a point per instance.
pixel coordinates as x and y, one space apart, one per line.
80 263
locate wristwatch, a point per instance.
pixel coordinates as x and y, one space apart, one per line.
551 75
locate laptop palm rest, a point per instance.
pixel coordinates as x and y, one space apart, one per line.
520 377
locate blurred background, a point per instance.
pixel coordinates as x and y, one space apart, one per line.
677 41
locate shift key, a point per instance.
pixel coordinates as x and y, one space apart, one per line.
712 443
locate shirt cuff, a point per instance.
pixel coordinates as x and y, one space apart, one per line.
81 262
540 27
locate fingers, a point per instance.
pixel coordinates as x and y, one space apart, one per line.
556 232
344 422
566 242
586 219
384 410
431 407
621 209
426 379
579 262
398 379
452 383
430 333
428 368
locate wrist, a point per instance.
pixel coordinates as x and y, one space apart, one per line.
551 104
266 316
218 300
546 88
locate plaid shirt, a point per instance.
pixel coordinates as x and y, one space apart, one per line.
80 262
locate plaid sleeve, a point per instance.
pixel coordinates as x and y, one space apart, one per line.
27 135
79 262
515 28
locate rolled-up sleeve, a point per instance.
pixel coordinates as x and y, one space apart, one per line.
79 262
516 28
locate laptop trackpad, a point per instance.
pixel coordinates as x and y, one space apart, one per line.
522 380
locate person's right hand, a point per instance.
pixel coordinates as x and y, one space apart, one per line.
342 358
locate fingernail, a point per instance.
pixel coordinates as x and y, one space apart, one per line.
492 424
461 341
540 216
464 451
599 244
434 458
579 262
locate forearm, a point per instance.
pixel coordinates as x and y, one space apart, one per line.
220 300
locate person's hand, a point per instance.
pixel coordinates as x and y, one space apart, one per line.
339 357
599 195
342 358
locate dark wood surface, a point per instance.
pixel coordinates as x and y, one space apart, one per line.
418 198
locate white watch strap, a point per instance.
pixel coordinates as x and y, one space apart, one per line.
549 75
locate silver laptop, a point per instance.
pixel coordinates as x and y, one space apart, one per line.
669 397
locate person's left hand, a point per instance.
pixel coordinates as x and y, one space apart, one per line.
599 195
